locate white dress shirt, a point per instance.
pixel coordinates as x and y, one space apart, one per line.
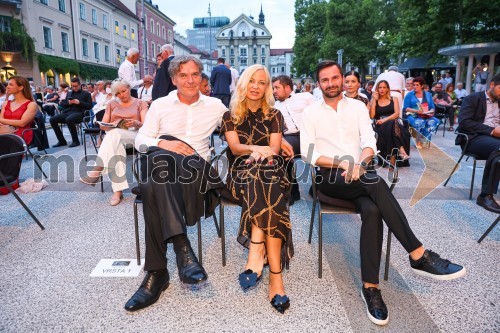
192 124
336 133
234 78
292 108
145 93
127 73
318 94
461 93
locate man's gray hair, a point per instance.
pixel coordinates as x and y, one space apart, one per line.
409 79
167 47
175 64
132 51
393 68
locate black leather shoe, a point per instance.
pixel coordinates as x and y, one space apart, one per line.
190 270
432 265
488 203
150 290
74 144
375 306
59 144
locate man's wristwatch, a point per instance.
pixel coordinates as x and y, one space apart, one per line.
363 165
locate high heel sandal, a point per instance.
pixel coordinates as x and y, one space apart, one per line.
89 180
249 279
280 303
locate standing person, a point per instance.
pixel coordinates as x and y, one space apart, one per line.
352 83
291 107
341 126
234 78
396 81
163 85
220 80
74 106
479 119
443 82
146 91
130 112
127 70
391 133
176 133
253 131
481 77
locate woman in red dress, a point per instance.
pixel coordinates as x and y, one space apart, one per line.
20 111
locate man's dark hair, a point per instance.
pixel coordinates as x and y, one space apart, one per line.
496 79
204 77
221 61
284 80
75 79
325 64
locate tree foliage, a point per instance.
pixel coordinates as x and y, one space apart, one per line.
18 40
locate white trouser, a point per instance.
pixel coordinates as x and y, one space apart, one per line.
112 156
480 87
399 97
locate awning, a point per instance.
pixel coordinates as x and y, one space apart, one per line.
422 63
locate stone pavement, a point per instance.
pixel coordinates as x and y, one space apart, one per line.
45 283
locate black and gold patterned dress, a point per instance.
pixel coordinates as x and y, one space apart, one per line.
259 188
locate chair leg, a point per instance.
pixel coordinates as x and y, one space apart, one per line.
454 169
472 180
320 245
136 227
200 254
39 166
311 226
222 233
102 184
217 228
489 229
387 255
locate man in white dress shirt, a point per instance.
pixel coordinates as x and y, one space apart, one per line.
291 107
396 82
146 91
127 71
337 135
175 132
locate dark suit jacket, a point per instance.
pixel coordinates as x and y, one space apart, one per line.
471 117
85 101
163 85
220 80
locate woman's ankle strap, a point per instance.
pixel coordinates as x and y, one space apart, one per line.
270 271
251 241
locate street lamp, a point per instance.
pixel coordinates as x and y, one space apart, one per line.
210 37
339 59
145 55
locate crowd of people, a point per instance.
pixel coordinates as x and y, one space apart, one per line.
337 126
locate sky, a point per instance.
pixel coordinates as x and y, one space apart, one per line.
278 15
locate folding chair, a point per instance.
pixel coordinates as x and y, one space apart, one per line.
12 150
33 128
329 205
440 113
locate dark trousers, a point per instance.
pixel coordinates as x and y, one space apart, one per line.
294 141
487 148
450 113
224 98
40 135
163 207
69 118
375 202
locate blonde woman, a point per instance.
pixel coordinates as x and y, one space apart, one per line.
257 181
130 112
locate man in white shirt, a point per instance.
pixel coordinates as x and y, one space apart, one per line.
291 106
127 71
460 92
98 95
175 132
146 91
337 135
396 82
234 78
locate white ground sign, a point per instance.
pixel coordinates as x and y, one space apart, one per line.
117 268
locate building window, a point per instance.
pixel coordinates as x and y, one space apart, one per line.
170 38
243 52
44 2
263 50
274 70
65 41
223 51
117 27
47 37
254 60
152 26
97 50
232 61
5 23
158 29
62 6
243 62
118 57
105 21
83 16
231 52
255 51
85 47
124 31
263 61
106 52
153 49
282 69
242 34
132 34
94 16
164 33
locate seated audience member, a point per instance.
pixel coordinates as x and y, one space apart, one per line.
205 88
3 95
419 109
291 107
308 88
391 134
103 99
145 92
62 92
38 96
176 133
479 118
127 113
19 113
74 106
340 127
352 83
98 92
408 85
253 131
368 89
460 92
51 102
444 100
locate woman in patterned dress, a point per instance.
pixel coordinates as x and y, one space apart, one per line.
257 181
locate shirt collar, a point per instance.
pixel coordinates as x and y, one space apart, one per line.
176 100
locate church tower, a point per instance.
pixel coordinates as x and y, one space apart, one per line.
261 16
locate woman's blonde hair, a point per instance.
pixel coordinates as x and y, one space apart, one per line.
239 105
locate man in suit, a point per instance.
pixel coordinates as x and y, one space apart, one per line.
479 118
221 79
163 85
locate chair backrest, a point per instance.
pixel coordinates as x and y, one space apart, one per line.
12 150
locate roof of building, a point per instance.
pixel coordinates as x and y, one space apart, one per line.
277 52
118 4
